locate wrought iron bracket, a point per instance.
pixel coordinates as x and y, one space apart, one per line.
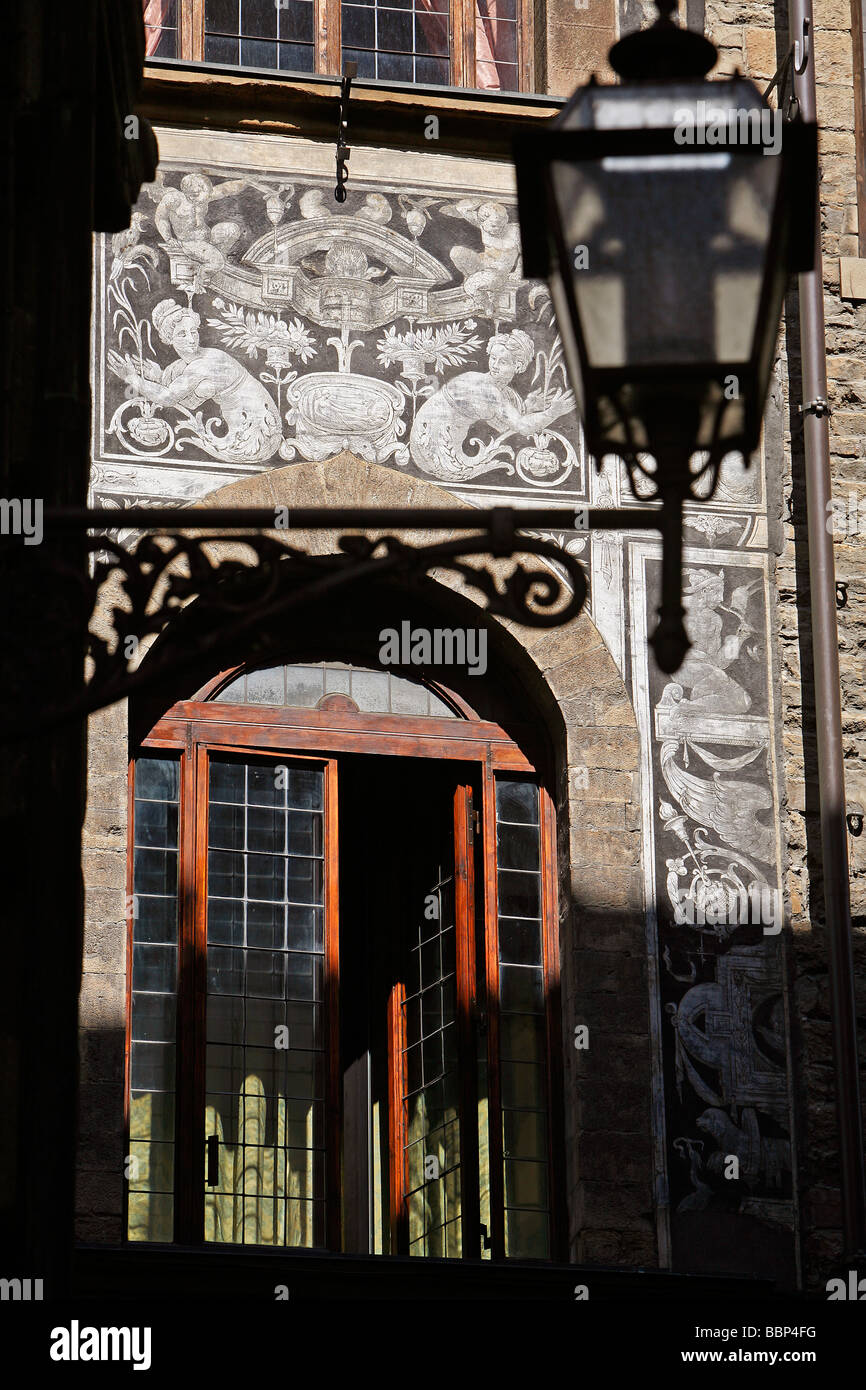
155 577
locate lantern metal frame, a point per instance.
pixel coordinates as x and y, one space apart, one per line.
686 466
790 249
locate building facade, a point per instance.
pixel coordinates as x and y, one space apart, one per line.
542 927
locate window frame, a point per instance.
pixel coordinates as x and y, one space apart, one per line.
327 41
193 730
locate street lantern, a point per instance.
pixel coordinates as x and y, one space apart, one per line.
667 212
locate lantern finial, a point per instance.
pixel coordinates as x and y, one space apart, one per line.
664 51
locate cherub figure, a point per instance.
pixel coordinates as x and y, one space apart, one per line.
486 271
181 217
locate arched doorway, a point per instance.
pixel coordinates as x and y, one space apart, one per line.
344 991
558 696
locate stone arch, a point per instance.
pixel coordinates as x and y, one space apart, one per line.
578 692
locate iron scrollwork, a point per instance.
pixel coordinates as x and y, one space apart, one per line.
157 577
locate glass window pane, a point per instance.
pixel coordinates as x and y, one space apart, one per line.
519 941
156 824
266 925
365 59
255 53
395 67
151 1217
222 16
266 784
305 790
296 21
525 1184
157 779
522 1037
225 874
396 31
519 894
296 57
370 689
266 687
152 1066
304 928
524 1134
266 831
434 71
221 50
305 686
305 830
226 826
527 1235
154 1005
151 1116
521 988
155 919
154 968
407 697
522 1085
516 801
153 1017
359 26
155 871
233 694
517 847
259 18
225 921
227 780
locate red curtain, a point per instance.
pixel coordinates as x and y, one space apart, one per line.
435 26
156 12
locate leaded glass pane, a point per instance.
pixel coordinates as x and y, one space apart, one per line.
152 1065
265 1058
305 686
522 1031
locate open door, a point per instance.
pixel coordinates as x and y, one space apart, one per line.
411 1086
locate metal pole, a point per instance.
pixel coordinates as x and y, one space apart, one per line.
828 712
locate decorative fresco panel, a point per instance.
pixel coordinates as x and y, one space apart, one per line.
712 873
251 321
246 321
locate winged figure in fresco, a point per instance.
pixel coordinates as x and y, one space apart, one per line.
249 420
443 422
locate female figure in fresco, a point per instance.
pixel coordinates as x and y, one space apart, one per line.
253 432
445 419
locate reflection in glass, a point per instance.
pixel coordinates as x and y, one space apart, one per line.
150 1214
430 1072
265 1073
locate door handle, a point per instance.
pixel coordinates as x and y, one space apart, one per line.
213 1160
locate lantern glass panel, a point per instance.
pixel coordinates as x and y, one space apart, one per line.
668 253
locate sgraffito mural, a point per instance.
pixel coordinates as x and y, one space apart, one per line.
246 321
251 322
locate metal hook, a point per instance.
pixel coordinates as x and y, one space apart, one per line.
343 150
801 62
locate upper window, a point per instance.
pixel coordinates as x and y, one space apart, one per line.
485 44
